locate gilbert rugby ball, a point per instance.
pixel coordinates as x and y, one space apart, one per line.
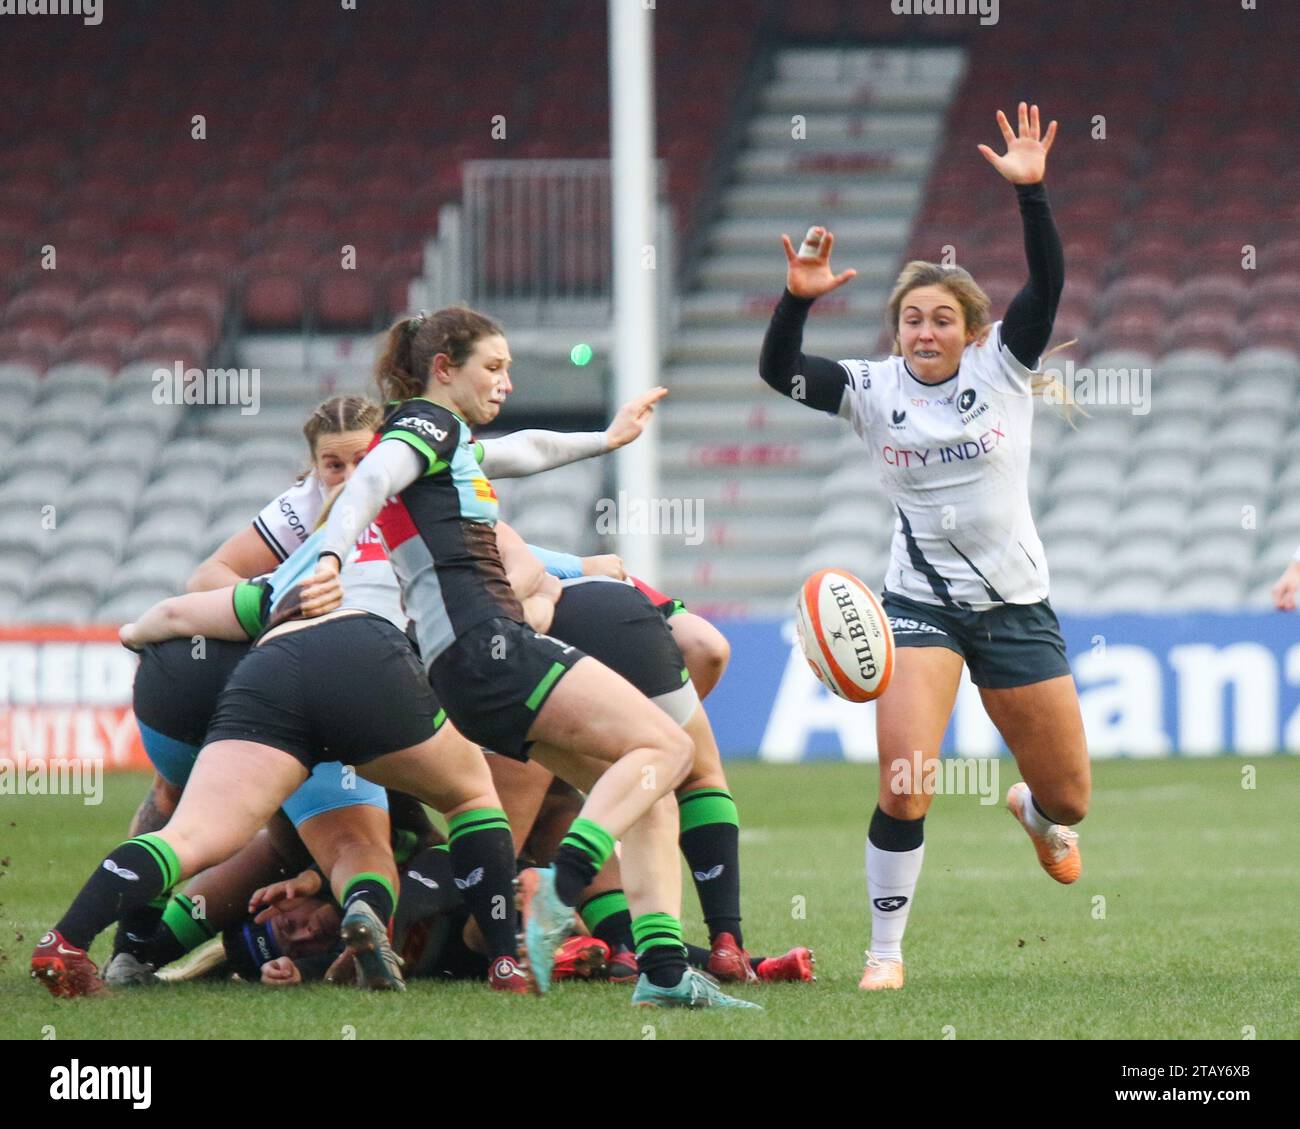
845 636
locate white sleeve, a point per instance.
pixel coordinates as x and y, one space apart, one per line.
530 452
854 404
999 366
387 470
286 521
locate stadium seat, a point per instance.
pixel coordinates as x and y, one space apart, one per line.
1135 591
173 528
193 454
196 486
124 606
81 569
166 570
104 487
69 606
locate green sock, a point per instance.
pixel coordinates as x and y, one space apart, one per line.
660 953
608 918
373 889
483 867
583 851
710 840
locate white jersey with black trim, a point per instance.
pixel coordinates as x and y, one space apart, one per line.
369 582
953 458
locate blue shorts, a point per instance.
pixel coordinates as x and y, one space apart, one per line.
329 787
326 789
171 758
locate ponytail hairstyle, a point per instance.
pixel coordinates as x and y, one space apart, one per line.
337 415
402 370
975 306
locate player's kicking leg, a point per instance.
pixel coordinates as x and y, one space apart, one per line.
1042 726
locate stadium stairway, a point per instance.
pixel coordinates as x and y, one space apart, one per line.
842 138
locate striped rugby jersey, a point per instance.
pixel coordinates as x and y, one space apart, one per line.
440 530
953 458
286 522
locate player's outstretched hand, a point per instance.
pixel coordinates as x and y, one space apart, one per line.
1285 589
323 593
808 274
1025 161
268 898
632 418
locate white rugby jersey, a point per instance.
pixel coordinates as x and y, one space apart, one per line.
953 458
369 582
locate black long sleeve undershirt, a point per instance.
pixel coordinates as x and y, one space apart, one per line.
783 366
1026 326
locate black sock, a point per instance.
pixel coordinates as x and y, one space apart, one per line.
373 889
133 874
660 954
608 918
891 834
181 929
136 926
483 864
710 840
583 851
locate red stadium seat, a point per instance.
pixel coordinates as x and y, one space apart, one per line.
274 301
346 299
1276 328
1220 332
128 299
99 345
1209 293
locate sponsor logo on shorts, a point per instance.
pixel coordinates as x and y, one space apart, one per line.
900 626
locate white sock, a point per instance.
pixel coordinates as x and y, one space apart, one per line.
891 875
1032 819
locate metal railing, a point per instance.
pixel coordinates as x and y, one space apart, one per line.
531 243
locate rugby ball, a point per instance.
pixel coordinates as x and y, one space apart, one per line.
844 634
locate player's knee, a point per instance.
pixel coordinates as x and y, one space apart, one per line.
707 654
166 794
1070 810
904 805
678 754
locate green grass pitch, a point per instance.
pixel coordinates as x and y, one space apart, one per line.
1183 925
